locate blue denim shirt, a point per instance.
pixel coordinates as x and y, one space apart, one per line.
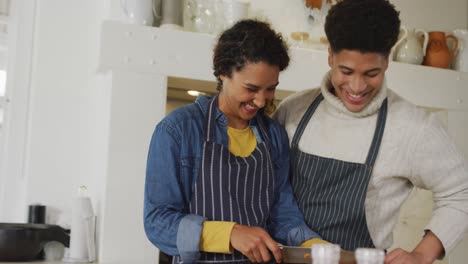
172 169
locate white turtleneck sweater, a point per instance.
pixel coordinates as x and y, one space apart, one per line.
415 151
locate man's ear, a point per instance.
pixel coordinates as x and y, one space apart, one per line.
330 56
387 61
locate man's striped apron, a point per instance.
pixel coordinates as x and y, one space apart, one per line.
331 193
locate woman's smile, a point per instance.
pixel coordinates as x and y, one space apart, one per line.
250 108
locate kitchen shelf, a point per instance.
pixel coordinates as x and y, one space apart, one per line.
188 55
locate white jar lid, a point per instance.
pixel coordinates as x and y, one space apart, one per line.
367 254
325 253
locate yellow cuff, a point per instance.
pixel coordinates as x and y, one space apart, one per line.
216 237
311 242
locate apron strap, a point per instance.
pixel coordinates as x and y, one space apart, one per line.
378 134
305 120
263 131
210 120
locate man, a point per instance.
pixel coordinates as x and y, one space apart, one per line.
358 149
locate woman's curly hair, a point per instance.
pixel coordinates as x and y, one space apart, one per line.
363 25
248 41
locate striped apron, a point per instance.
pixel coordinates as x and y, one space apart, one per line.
331 193
231 188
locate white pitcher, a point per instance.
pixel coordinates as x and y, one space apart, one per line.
401 37
461 59
410 49
141 11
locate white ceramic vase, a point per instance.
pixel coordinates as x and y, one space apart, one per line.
410 49
461 59
401 37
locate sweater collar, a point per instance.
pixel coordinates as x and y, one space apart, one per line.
338 105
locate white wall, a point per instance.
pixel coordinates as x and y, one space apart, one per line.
66 122
433 15
13 180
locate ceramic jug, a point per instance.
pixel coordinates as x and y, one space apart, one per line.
143 12
410 50
461 59
438 54
402 36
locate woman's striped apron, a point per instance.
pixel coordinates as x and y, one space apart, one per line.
231 188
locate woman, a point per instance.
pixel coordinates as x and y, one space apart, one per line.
217 174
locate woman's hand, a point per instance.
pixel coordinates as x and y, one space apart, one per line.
254 243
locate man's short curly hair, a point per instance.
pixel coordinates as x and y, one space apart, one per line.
248 41
363 25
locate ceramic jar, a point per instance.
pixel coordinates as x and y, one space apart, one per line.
438 54
461 59
410 50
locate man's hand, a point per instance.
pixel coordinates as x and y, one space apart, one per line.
400 256
255 243
426 252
